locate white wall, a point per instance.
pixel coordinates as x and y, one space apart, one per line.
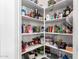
8 29
75 30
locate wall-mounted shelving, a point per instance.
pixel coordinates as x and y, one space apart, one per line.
32 33
58 33
56 20
44 11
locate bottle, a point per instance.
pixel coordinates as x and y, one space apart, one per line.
52 17
30 14
23 46
38 29
30 29
61 30
36 14
47 17
42 28
60 16
23 10
23 28
55 15
56 29
64 29
32 42
50 28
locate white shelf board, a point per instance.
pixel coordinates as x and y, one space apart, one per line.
58 49
32 48
58 33
32 5
56 20
32 33
31 19
59 5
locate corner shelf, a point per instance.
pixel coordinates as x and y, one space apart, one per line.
55 20
69 17
32 48
58 49
31 19
59 5
32 5
32 33
58 33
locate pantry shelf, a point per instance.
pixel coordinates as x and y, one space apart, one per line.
55 20
58 49
31 19
32 5
32 33
39 24
58 33
59 5
32 48
68 18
